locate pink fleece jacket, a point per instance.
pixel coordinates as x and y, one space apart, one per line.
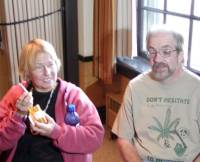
76 144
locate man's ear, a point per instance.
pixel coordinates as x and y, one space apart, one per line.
181 57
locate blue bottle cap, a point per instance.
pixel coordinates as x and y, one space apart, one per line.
71 108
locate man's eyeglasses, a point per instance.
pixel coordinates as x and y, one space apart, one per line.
164 53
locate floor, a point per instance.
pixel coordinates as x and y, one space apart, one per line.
108 151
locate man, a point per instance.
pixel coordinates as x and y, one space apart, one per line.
159 119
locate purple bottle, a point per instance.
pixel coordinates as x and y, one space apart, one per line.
71 116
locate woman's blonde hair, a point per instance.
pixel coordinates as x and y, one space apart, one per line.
29 53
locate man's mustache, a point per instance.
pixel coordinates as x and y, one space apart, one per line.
159 65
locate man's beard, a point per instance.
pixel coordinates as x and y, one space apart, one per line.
161 71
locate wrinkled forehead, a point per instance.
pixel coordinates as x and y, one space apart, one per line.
161 39
41 57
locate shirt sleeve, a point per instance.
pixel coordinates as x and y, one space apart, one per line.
124 123
11 125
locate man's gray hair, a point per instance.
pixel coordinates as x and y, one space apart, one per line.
167 29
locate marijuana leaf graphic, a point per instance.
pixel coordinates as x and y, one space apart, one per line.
167 130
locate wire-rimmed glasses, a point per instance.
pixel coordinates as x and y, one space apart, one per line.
164 53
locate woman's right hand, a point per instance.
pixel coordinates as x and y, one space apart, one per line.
24 102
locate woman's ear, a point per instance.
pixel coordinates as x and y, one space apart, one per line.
27 75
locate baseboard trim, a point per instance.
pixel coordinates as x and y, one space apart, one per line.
85 59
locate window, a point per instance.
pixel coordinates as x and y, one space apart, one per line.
184 14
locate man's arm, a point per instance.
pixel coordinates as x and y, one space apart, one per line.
128 151
197 159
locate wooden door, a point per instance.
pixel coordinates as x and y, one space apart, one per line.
5 75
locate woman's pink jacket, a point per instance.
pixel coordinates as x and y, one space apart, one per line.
76 144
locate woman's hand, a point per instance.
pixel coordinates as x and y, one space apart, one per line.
43 129
23 103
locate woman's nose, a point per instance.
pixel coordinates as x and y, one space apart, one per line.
46 70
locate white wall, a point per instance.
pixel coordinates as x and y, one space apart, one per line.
85 27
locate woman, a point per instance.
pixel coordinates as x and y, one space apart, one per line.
56 141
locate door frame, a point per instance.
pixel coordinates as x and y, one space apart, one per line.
70 41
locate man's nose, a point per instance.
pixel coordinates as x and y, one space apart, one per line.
158 57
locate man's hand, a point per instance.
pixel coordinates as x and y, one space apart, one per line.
128 151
